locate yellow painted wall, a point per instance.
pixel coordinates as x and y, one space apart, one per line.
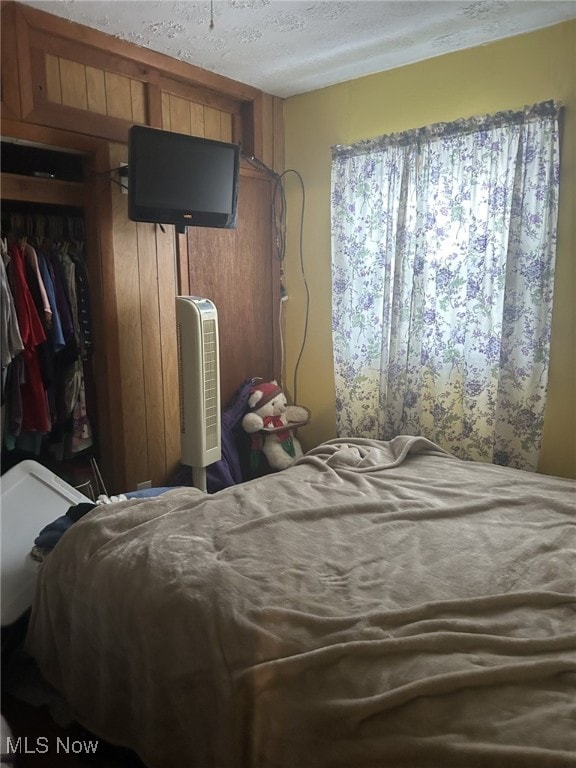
504 75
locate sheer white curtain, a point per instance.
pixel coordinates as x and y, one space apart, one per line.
443 253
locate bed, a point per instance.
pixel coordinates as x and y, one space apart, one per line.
379 604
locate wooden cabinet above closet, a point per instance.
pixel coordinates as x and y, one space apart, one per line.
62 74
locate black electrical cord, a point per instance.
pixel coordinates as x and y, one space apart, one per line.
279 226
307 289
122 170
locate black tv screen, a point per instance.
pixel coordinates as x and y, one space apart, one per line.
183 180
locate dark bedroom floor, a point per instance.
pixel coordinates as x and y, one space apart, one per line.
44 744
43 734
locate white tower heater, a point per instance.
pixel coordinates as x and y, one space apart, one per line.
199 384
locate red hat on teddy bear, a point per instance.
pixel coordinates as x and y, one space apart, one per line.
261 394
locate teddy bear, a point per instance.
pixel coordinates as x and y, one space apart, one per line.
271 421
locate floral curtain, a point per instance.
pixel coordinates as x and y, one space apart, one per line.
443 253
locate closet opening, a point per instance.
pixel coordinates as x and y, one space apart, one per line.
27 159
49 404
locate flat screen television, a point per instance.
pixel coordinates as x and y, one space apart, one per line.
183 180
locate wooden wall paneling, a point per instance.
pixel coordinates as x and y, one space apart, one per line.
258 129
118 96
124 97
198 112
138 101
95 90
62 86
247 133
47 80
182 265
131 384
106 356
22 35
146 284
153 414
73 84
214 275
212 129
52 74
99 256
226 127
266 115
267 119
67 46
269 255
237 130
153 106
266 287
190 91
168 369
179 114
66 95
166 118
237 271
88 88
183 116
10 89
197 127
176 113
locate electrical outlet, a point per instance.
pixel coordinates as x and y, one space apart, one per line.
145 484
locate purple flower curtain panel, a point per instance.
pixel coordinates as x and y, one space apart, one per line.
443 253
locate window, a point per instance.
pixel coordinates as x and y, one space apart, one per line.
443 253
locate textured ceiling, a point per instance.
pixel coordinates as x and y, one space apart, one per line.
287 48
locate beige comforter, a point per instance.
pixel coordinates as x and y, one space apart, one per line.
377 605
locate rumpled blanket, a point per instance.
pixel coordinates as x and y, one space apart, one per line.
379 605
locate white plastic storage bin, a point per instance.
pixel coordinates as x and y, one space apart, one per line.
31 497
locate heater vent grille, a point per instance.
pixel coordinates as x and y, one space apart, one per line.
199 381
211 383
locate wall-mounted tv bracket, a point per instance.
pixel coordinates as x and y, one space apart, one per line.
123 177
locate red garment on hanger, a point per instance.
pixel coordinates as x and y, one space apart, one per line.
35 412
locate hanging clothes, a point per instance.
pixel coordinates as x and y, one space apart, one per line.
56 338
61 293
35 413
11 340
43 382
35 278
83 300
76 390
